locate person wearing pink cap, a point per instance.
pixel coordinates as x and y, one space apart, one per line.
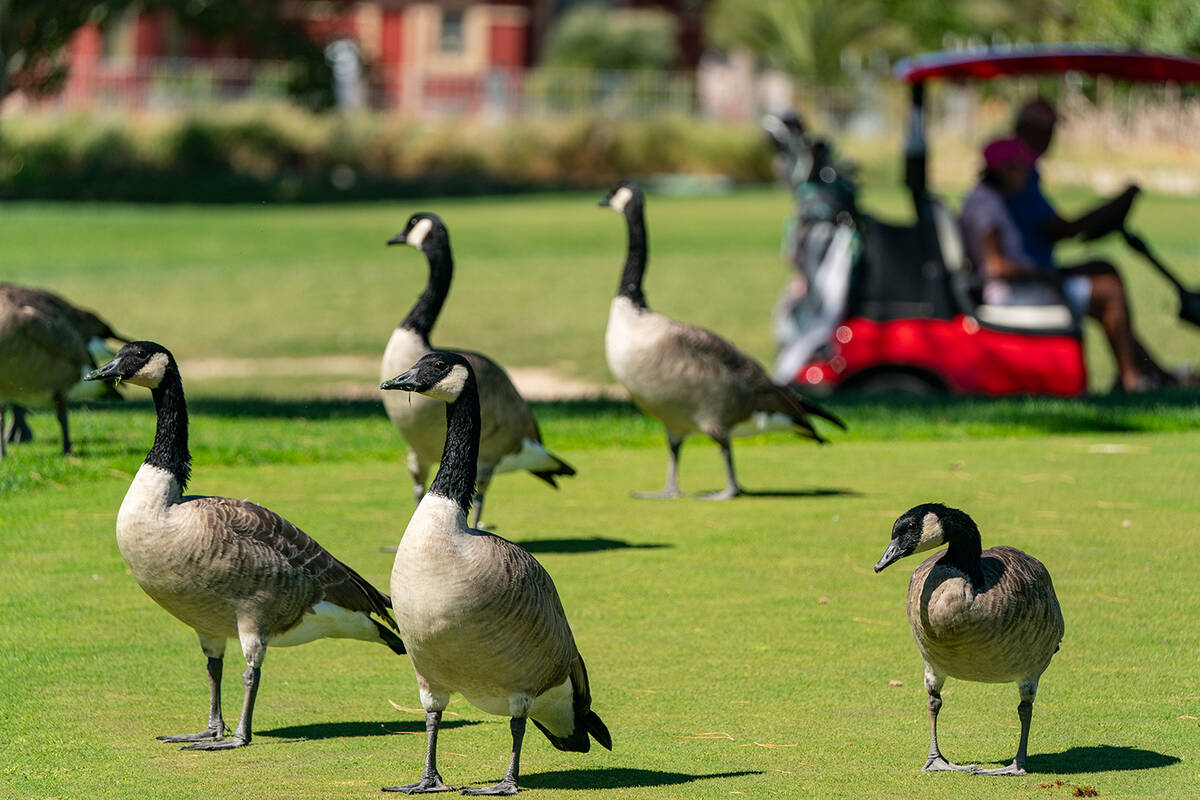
995 245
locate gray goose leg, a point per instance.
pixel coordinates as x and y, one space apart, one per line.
254 649
19 432
216 723
482 481
937 762
431 779
1025 712
60 407
418 472
509 784
732 489
672 489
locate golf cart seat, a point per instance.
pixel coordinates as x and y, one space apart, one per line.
965 284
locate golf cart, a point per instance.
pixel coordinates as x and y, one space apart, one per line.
885 307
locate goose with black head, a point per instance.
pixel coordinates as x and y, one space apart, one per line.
977 615
689 378
228 568
479 614
510 438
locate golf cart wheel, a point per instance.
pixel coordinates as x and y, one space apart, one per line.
896 382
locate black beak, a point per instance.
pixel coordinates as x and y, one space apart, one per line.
399 238
405 382
604 203
109 370
890 556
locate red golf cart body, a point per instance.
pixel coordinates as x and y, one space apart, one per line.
938 337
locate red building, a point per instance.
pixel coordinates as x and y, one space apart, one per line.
415 54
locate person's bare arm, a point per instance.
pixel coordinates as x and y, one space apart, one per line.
1102 219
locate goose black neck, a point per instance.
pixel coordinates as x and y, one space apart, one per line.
170 450
455 478
635 258
965 553
425 311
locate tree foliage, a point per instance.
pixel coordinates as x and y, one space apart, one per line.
34 35
592 37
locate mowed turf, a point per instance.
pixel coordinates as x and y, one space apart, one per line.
735 649
534 275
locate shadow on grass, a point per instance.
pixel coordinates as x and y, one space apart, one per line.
592 545
1101 758
345 730
618 778
816 491
1166 409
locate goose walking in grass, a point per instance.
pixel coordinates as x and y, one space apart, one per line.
228 568
479 614
510 439
977 615
46 343
689 378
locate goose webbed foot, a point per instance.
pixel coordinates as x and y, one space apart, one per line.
1011 769
504 787
427 785
665 494
938 763
212 733
220 744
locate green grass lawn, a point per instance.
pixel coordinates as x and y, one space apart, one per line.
743 648
534 275
737 649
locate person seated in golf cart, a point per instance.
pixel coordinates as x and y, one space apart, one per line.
995 245
1094 287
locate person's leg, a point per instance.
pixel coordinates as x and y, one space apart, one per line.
1109 305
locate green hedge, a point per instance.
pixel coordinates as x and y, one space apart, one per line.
283 153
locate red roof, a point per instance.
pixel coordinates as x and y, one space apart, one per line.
987 63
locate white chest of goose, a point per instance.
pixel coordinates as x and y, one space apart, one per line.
977 615
479 614
228 568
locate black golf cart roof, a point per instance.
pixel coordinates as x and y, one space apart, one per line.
1048 59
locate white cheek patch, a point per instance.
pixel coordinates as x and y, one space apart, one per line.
416 237
450 387
621 199
931 533
151 373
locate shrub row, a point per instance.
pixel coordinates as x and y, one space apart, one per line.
244 154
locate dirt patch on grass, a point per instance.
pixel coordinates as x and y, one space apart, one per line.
534 383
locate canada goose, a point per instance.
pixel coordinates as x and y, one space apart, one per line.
510 439
989 615
45 344
689 378
228 567
479 614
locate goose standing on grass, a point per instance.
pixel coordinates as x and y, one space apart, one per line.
479 614
689 378
45 345
228 568
510 439
977 615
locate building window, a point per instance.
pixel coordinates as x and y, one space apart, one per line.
450 39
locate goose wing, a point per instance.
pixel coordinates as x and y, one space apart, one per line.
40 321
280 544
717 360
